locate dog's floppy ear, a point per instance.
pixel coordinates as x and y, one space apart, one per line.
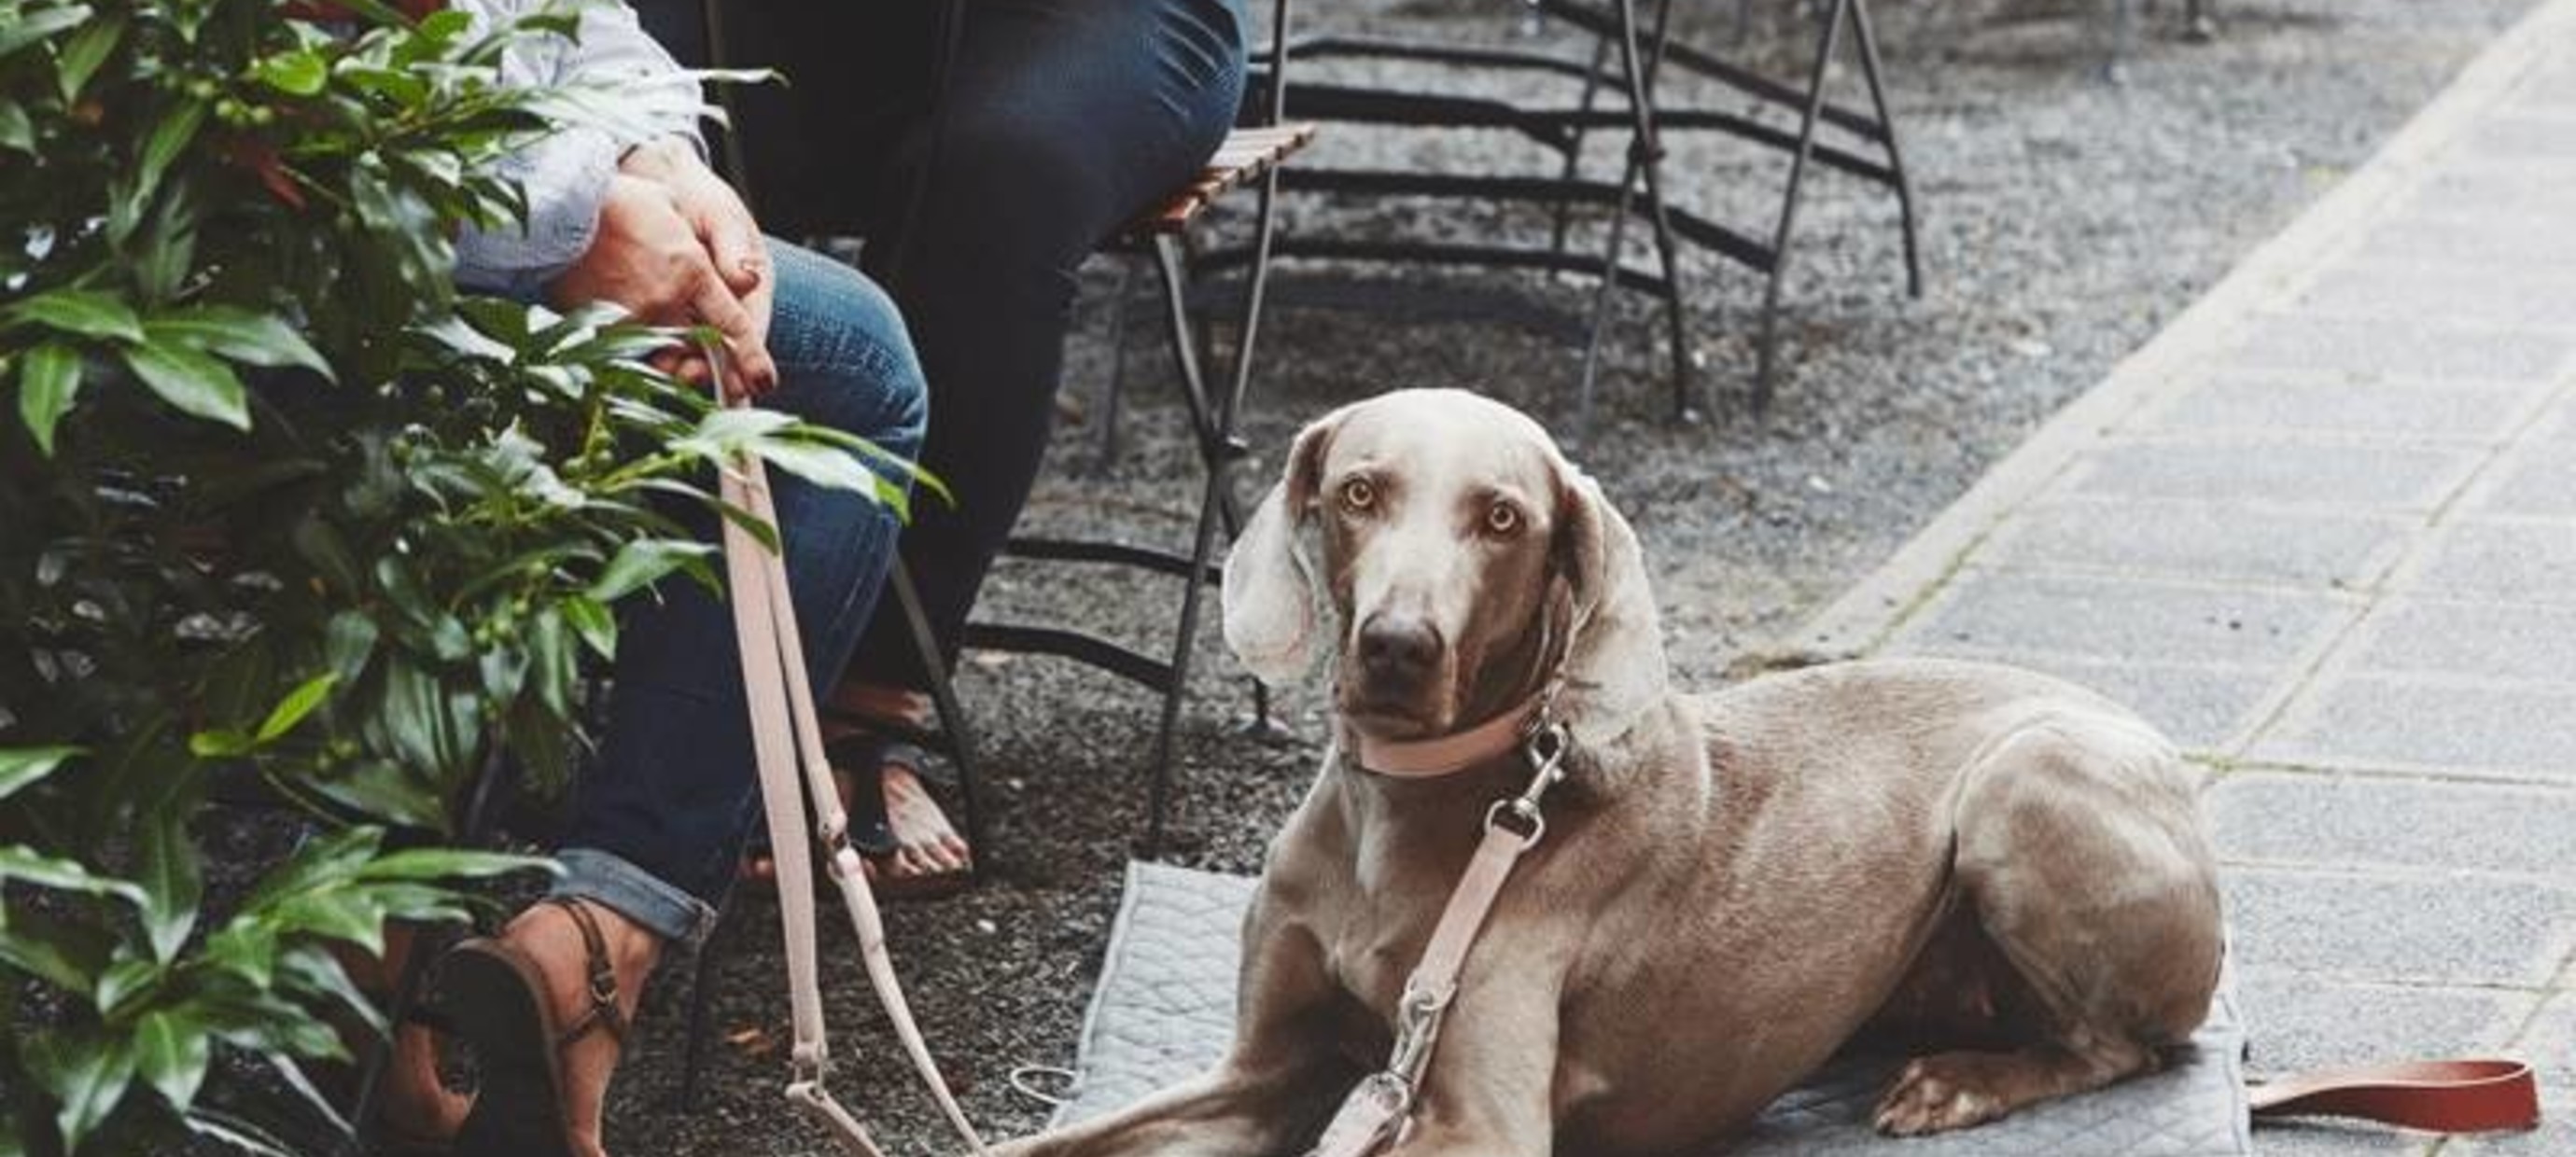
1270 590
1614 668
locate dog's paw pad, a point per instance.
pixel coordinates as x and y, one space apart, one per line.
1934 1095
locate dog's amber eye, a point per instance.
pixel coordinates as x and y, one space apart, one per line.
1503 520
1359 494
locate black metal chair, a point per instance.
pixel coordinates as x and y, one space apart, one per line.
1637 33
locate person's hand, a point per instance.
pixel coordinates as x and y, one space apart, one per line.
716 213
648 258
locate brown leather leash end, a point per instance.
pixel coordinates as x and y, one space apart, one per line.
2454 1096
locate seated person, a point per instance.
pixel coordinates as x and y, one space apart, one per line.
983 149
658 825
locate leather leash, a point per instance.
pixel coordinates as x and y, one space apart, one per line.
785 734
1379 1112
2465 1096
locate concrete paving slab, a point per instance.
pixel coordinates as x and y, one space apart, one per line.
2550 1044
2302 818
2447 239
2203 540
2434 726
2347 345
2540 481
2501 191
2385 928
2469 639
2349 475
2375 287
2516 560
2556 1136
2322 1138
2301 1023
2125 620
2270 403
2521 136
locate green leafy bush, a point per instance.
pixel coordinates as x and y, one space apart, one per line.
280 506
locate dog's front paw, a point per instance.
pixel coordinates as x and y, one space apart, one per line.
1940 1093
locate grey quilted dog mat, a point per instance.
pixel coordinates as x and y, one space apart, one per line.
1165 1010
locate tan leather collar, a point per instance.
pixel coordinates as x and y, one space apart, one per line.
1451 753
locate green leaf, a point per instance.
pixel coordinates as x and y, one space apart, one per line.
221 743
84 52
192 381
23 30
82 312
316 970
238 1132
22 863
47 383
121 980
168 139
22 766
334 914
347 644
258 339
297 704
247 948
302 72
70 955
452 864
642 563
16 131
173 880
384 791
592 621
86 1072
172 1051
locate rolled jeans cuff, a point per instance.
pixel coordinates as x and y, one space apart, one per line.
609 879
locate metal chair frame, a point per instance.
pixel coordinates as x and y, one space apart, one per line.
1641 47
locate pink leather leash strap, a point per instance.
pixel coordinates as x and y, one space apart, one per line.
2462 1096
1379 1110
786 734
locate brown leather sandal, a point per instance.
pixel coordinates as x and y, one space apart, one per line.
496 995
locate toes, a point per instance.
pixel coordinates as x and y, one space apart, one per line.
1930 1097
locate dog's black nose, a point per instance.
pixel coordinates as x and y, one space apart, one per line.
1398 648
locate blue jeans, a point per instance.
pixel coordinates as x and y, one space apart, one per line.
659 824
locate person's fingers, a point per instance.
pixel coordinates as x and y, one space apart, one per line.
734 241
753 373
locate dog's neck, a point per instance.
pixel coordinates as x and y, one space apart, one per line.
1452 753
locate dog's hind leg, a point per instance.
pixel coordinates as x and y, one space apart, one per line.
2082 857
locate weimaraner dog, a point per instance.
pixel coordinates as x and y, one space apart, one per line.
2001 871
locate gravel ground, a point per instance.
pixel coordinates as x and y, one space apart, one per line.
2065 218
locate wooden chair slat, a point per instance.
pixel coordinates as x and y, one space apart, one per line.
1244 156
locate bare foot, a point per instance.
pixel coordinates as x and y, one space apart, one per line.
926 844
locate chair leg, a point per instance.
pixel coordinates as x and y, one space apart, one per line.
1573 167
693 1047
1641 83
1765 371
1589 380
1111 398
1867 40
1172 266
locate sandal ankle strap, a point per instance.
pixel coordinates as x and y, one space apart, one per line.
604 1012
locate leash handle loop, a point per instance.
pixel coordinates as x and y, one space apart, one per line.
786 738
2452 1096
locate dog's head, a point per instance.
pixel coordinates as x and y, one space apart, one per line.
1464 562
